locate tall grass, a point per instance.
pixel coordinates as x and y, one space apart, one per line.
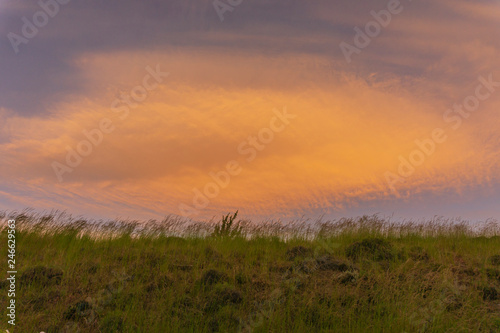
366 274
369 226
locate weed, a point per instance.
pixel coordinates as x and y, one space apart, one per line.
227 227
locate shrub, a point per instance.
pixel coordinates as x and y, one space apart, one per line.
41 276
212 277
227 227
77 311
297 251
222 296
490 293
377 249
329 263
418 253
495 260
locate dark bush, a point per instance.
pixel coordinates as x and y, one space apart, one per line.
332 264
495 260
159 283
77 311
222 296
41 276
419 254
490 294
212 277
347 277
297 251
371 248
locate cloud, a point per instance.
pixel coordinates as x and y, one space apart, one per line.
353 120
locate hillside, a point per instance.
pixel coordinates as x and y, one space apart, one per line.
350 275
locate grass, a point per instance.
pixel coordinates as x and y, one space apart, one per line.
350 275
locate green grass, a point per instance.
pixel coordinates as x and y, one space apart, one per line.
350 275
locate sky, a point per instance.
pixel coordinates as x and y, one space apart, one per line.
275 108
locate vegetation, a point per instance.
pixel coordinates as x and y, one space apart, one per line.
227 227
350 275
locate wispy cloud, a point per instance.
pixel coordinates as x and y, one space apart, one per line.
225 79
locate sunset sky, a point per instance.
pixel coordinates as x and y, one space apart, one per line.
131 108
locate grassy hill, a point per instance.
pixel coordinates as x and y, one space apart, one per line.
349 275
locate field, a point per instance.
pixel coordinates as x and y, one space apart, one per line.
350 275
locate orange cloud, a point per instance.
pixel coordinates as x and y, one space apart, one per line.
353 122
333 155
